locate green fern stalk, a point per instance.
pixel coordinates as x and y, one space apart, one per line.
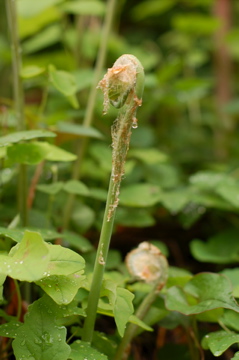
11 8
123 87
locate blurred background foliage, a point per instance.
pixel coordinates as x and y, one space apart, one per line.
182 173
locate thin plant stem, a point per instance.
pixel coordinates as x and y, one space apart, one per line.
127 77
99 269
18 103
19 299
82 144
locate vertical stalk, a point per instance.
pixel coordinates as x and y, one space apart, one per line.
82 144
123 87
223 77
11 8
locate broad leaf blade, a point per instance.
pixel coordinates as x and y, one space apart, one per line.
140 195
26 153
63 261
62 81
28 260
81 350
222 248
39 338
23 136
62 288
203 292
76 187
219 341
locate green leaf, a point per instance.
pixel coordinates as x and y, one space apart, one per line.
148 156
195 24
203 292
23 136
134 320
39 337
63 81
230 319
89 7
9 329
76 187
175 200
222 248
102 154
63 277
221 184
62 288
120 300
77 241
236 356
73 101
28 260
206 180
151 8
177 276
51 189
140 195
32 25
25 8
48 36
233 276
3 152
123 308
17 234
219 341
81 350
228 190
134 217
14 234
26 153
55 153
78 130
31 71
34 152
63 261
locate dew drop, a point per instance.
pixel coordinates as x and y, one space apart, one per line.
23 342
37 341
135 123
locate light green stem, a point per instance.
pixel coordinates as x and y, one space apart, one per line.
121 132
18 102
99 269
82 144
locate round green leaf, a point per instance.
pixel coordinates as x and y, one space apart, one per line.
31 71
140 195
222 248
76 187
51 189
219 341
62 81
28 260
203 292
40 337
26 153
